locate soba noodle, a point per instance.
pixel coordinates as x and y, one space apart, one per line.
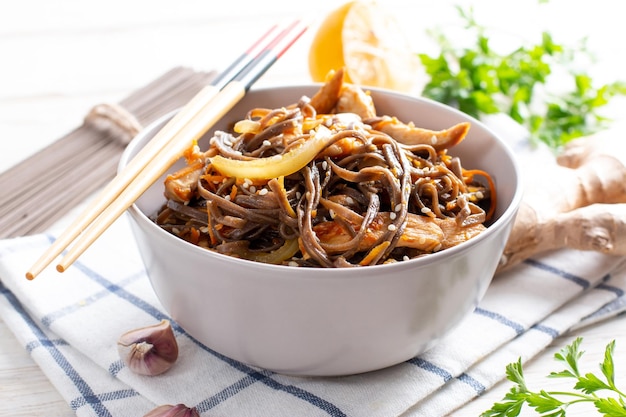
364 198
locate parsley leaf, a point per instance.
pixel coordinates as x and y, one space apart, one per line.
555 404
610 407
480 81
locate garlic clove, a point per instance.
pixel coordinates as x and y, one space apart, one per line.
149 350
178 410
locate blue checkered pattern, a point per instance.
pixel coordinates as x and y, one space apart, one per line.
69 323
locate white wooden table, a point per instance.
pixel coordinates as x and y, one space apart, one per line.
58 59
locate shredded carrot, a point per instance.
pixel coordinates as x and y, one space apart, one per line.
373 254
213 178
194 235
212 181
233 193
191 153
492 189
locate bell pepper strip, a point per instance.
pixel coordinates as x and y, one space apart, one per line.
277 165
287 251
277 185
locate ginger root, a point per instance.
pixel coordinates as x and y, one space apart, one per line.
576 203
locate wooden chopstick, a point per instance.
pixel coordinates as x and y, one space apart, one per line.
199 115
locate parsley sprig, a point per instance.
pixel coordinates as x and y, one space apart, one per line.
478 80
587 388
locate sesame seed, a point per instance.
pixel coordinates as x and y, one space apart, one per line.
392 216
392 227
267 143
349 200
332 214
252 189
245 185
324 165
227 197
425 210
398 207
263 191
433 140
480 195
437 248
293 263
405 258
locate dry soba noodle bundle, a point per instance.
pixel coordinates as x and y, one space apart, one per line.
326 182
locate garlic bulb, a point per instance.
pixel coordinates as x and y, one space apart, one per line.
149 350
178 410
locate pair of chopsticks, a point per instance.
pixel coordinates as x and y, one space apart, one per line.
202 112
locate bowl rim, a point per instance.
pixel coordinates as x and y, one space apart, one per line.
422 261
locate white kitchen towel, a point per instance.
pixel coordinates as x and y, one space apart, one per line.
70 324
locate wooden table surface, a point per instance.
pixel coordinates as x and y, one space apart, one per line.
58 59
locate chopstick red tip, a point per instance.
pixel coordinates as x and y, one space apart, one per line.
294 38
260 45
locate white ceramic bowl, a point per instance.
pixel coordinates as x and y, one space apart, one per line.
310 321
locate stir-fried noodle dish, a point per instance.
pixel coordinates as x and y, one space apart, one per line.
327 182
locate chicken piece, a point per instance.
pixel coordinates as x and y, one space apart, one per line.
421 233
455 234
409 134
181 185
325 100
353 99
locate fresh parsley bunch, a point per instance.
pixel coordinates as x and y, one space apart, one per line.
479 81
554 404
